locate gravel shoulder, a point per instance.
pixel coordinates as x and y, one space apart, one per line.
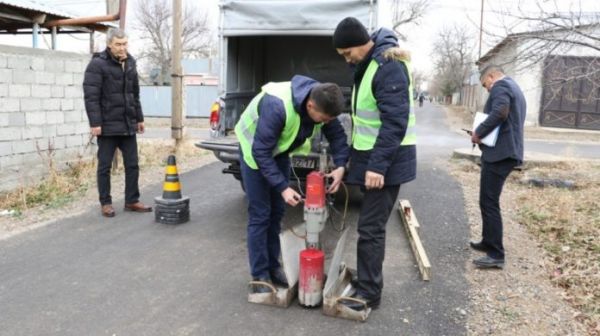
519 300
526 298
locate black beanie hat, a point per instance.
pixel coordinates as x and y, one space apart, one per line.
350 33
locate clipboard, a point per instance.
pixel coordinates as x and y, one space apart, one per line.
492 137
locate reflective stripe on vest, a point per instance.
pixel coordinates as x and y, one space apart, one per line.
246 126
366 116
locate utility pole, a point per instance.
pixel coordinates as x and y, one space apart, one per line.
177 76
480 29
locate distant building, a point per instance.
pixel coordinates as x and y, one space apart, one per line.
562 89
200 71
201 89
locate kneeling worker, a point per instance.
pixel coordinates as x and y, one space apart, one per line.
276 122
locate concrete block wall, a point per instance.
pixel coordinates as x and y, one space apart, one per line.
41 112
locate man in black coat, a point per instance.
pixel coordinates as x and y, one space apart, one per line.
112 102
383 154
506 108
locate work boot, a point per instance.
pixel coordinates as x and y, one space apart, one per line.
137 207
358 306
278 277
107 210
259 288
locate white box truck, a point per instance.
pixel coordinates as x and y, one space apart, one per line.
263 41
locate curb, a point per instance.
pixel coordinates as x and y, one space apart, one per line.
531 159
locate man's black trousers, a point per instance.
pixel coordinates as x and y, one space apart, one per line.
106 151
375 211
493 175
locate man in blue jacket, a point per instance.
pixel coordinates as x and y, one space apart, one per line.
279 121
383 154
506 108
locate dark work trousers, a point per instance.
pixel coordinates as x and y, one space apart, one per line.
493 175
106 151
266 208
377 205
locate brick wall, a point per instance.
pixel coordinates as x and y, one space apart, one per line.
41 108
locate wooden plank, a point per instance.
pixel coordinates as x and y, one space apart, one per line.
409 219
408 213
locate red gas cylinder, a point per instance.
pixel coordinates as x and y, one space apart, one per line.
310 284
315 190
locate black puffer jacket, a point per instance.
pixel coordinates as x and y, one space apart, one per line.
390 88
112 94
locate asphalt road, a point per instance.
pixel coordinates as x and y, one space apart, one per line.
564 148
88 275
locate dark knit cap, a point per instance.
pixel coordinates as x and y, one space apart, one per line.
350 33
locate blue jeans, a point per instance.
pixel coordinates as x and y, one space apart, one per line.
266 208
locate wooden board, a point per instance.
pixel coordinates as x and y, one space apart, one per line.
410 223
411 218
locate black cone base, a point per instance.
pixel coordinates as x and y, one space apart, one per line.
172 211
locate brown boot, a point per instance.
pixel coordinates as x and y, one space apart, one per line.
107 210
137 207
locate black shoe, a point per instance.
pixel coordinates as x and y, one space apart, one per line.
260 288
479 246
279 278
488 262
355 305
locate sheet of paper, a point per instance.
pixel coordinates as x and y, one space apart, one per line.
490 139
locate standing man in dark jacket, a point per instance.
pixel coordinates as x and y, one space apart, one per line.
506 108
112 101
277 122
383 152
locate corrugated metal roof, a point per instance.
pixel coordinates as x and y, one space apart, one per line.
38 7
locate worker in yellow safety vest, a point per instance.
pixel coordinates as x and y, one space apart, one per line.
277 122
383 154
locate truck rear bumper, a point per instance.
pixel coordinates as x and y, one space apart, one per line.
228 151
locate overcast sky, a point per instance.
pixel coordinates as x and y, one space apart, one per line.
441 15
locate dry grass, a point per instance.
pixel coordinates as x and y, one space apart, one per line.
56 189
60 187
458 117
551 280
567 224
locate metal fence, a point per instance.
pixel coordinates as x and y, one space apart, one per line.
156 100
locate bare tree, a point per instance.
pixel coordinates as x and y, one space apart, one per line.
154 23
544 36
418 78
410 12
453 59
